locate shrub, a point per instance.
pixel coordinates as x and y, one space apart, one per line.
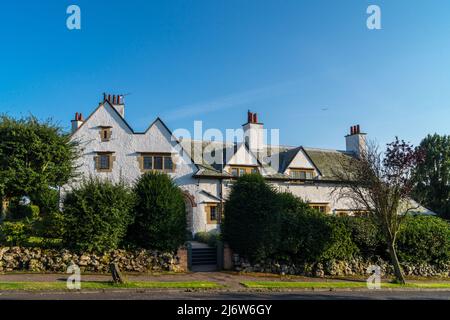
96 215
14 233
338 243
366 235
302 229
17 211
160 216
47 200
50 225
311 236
210 238
424 239
251 223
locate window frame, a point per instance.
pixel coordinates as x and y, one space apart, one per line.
322 207
300 171
218 213
246 168
153 156
105 133
98 161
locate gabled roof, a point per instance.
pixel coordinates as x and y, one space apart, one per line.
158 119
328 162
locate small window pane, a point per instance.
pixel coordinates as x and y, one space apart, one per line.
158 165
308 175
104 161
241 172
302 174
234 172
148 161
168 164
254 170
213 213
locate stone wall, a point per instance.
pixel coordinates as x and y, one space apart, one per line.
338 268
51 260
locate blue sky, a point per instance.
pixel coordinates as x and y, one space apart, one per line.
310 68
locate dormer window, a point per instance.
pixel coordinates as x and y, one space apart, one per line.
301 173
238 171
105 133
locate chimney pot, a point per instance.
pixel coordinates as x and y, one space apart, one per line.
358 129
76 115
255 118
249 117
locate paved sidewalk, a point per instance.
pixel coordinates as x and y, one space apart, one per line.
230 279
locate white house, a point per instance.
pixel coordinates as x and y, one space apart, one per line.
112 149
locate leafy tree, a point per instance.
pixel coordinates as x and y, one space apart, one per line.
160 214
33 156
252 213
382 185
432 176
96 215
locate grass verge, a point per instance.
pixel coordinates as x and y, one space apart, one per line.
336 285
33 286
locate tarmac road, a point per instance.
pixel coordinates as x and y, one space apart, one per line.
132 294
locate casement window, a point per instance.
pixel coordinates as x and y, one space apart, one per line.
156 161
321 207
238 171
213 213
350 212
341 213
301 173
105 133
104 161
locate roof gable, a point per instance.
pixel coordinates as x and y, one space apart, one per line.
104 115
242 156
297 158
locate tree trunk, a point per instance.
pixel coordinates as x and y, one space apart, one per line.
396 264
116 274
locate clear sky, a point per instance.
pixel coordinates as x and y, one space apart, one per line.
310 68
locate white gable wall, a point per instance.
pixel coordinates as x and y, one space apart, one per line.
126 147
301 161
243 157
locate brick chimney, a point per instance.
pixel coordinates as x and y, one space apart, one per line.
253 132
116 101
77 122
356 141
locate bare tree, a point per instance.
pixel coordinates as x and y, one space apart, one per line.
381 185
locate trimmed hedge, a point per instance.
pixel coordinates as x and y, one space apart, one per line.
263 224
424 239
160 214
251 223
96 215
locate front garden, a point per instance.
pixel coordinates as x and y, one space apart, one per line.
279 233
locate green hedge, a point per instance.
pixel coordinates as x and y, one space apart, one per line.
251 223
96 215
261 223
211 238
14 233
160 214
424 239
